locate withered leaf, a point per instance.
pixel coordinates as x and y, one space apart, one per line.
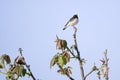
66 55
6 58
61 44
54 60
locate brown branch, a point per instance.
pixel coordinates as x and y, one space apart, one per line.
71 52
92 70
88 74
27 66
106 63
20 50
78 54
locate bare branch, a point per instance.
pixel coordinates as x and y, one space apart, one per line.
106 63
78 54
92 70
20 50
27 66
88 74
71 52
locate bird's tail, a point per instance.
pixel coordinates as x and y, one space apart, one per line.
64 28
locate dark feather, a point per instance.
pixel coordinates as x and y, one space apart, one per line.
74 16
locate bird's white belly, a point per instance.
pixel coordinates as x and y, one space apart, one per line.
73 22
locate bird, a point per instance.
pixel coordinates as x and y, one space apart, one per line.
72 22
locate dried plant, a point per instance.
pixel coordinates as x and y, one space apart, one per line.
16 70
61 59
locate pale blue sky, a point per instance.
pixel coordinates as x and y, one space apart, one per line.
33 25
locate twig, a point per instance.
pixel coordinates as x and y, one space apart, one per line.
88 74
71 52
20 50
78 54
27 66
92 70
106 63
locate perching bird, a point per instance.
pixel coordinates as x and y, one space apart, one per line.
72 22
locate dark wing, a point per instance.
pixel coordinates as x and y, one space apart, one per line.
70 20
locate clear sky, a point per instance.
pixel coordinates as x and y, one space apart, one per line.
34 24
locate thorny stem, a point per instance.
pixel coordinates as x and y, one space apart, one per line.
78 54
106 63
27 66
